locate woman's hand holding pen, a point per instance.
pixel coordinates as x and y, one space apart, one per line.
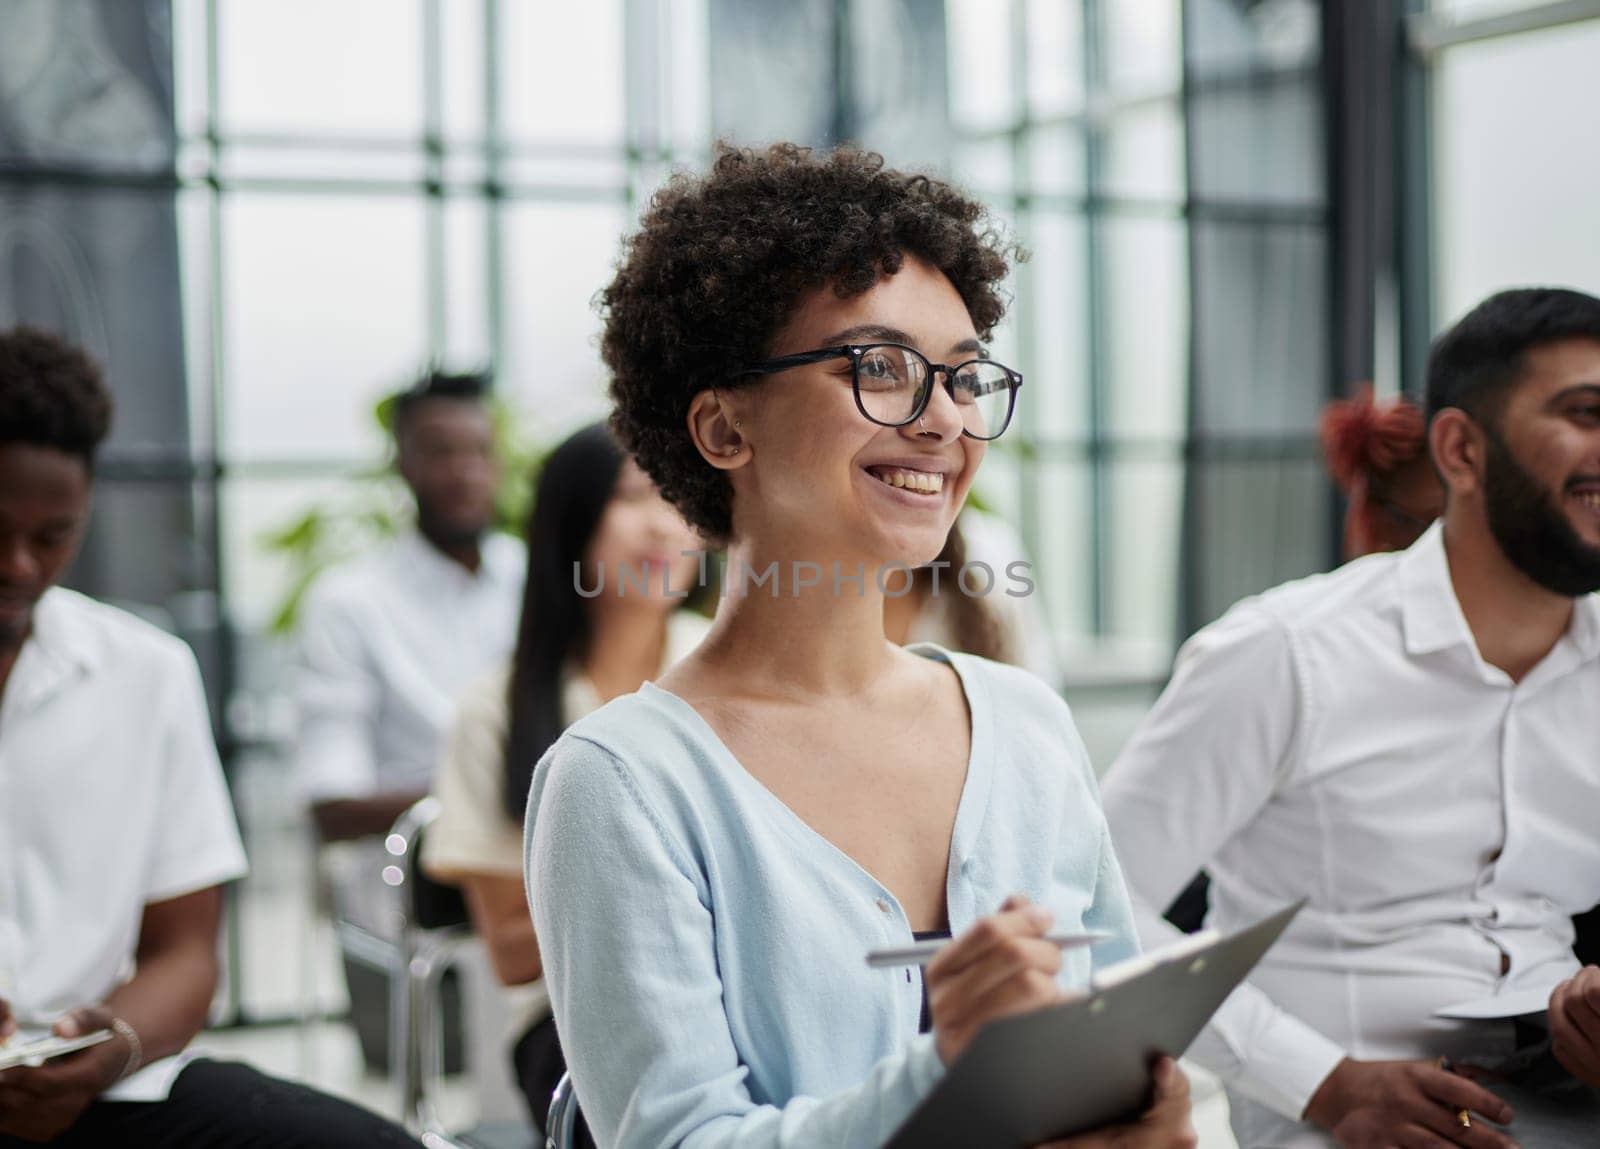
1001 966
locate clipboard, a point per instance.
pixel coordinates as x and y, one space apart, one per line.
1085 1063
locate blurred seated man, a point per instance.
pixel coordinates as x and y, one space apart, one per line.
116 833
391 639
1413 744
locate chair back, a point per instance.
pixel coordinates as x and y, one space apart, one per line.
429 904
561 1126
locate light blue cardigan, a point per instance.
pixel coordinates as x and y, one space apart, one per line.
704 947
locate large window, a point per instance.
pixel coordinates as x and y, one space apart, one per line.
1515 165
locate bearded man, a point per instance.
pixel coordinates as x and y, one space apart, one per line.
1412 743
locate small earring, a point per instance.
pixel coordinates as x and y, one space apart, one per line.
731 451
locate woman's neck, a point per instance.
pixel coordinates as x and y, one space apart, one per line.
627 644
789 640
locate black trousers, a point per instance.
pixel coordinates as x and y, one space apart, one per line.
539 1063
225 1105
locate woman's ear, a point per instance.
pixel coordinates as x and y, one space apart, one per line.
1456 443
717 431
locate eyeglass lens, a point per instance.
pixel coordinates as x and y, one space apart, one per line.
892 381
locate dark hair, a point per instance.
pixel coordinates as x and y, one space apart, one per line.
461 386
975 628
1474 365
51 394
575 484
720 262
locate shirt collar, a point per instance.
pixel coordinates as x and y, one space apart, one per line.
423 558
1433 618
60 647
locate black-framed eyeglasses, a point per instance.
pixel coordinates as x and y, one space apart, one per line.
893 383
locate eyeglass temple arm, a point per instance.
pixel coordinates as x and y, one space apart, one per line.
783 363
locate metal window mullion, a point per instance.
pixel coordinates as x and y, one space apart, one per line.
1095 327
433 177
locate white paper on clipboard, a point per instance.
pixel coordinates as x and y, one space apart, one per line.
1505 1005
34 1048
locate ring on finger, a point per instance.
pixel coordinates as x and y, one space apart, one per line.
1464 1118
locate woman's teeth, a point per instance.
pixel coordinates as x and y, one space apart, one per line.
928 482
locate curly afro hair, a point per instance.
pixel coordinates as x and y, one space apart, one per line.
720 262
51 394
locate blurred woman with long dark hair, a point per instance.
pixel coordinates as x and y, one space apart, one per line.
606 570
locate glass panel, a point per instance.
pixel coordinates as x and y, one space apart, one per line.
1503 111
1064 553
100 266
1260 145
1055 56
315 68
87 84
1145 513
1144 153
688 68
466 282
1261 343
556 258
1145 297
462 87
1056 160
326 313
189 78
898 79
983 88
1054 400
1258 523
561 71
1240 37
767 63
998 487
260 579
986 167
1143 46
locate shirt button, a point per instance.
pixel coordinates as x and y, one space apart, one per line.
883 906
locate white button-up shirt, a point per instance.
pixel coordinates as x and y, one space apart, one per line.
388 643
1341 739
111 797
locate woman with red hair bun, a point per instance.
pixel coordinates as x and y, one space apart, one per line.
1378 456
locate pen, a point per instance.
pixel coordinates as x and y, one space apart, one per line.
922 952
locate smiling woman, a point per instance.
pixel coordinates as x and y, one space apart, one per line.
797 343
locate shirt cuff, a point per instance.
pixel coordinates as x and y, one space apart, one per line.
923 1064
1285 1068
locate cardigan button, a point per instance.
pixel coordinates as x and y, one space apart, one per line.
882 905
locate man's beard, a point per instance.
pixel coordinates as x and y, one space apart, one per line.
1531 529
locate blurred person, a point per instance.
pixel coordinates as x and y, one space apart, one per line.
709 859
595 515
1378 457
991 614
387 642
116 832
1410 742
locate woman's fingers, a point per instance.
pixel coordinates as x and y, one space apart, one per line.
1018 918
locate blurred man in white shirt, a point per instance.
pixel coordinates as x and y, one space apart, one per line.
1413 744
116 832
389 641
